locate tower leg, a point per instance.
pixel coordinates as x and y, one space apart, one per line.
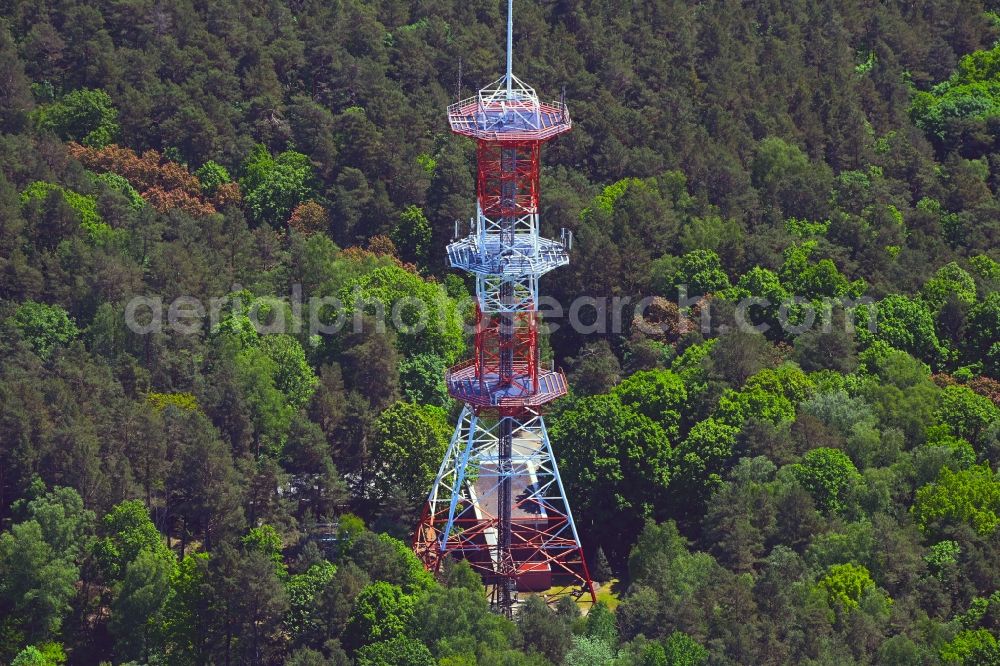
429 541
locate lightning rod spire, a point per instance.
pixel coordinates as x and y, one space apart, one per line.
510 48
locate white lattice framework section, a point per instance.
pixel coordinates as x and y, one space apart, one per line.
523 292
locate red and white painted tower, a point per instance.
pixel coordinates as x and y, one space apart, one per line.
498 500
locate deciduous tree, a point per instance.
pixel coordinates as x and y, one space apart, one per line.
970 496
616 463
408 443
828 474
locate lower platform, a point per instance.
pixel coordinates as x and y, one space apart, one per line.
487 391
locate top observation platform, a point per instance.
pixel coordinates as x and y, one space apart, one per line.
508 110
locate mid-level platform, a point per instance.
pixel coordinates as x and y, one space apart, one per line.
527 256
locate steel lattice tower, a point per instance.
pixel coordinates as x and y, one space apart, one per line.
498 499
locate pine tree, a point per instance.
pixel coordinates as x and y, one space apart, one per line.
602 570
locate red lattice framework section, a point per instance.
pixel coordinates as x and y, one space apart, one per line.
506 166
508 335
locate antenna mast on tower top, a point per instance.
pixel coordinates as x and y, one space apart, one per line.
510 49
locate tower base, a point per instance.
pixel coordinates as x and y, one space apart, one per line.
462 517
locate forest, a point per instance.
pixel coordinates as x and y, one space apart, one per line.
815 494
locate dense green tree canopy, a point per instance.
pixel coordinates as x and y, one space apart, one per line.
426 319
825 486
